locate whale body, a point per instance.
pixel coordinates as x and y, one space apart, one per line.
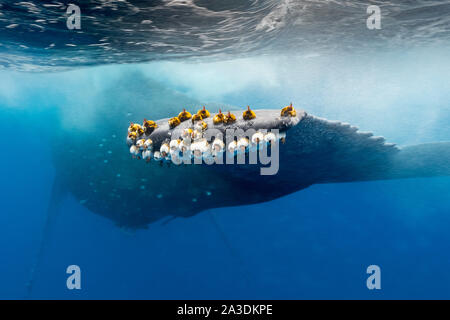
134 193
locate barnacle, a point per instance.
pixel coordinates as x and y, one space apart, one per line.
193 140
196 118
184 115
146 155
248 114
232 146
149 126
140 143
174 144
219 118
257 137
203 113
133 127
201 125
242 144
174 122
164 150
148 144
288 111
230 118
270 137
218 145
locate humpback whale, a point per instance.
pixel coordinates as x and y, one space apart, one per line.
132 193
94 164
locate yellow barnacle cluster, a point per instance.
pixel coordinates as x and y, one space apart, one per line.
196 118
173 122
219 118
149 126
203 113
136 131
137 128
248 114
132 135
229 118
184 115
134 127
288 111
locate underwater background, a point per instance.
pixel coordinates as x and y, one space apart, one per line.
312 244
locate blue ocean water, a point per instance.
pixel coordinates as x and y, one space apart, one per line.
315 243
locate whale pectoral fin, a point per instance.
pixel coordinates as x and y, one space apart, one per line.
422 160
337 152
57 194
322 151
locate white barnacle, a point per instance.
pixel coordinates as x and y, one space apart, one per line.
146 154
199 147
157 156
175 152
140 143
197 134
242 144
185 145
270 137
218 145
187 133
134 150
200 126
174 144
175 157
232 146
148 144
257 137
164 150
